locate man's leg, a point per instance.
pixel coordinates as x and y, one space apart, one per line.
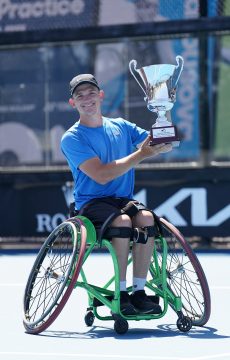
122 247
142 254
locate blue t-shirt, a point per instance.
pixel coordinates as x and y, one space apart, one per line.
115 139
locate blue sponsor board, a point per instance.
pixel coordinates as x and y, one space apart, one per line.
185 113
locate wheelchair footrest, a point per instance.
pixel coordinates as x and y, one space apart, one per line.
96 302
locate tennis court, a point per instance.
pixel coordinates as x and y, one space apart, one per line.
68 337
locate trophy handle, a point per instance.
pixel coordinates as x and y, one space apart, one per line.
179 66
133 66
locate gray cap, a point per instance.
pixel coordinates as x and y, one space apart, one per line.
82 79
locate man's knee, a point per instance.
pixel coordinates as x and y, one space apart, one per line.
121 227
122 221
143 218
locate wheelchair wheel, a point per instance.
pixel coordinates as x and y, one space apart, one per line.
54 275
185 276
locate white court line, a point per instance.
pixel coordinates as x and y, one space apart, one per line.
222 287
94 356
219 287
12 284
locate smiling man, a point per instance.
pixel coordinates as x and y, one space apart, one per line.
102 153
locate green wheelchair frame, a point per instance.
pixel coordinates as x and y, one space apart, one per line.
59 268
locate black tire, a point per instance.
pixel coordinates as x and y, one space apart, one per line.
185 276
121 326
89 318
54 275
184 323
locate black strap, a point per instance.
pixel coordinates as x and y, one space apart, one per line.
132 208
121 232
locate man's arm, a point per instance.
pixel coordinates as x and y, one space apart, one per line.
103 173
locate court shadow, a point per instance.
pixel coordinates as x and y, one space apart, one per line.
161 331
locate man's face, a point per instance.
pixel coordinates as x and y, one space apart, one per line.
87 99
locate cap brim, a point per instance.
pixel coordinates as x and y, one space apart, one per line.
84 82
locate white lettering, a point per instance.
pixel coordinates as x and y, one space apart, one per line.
37 9
27 9
43 223
63 8
17 108
57 219
4 7
47 223
77 7
168 209
199 215
24 11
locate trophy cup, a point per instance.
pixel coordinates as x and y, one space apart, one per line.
159 86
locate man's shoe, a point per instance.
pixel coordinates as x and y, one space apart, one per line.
144 304
125 304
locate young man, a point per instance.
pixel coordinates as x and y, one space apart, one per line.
102 154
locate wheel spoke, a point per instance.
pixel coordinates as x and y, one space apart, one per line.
185 276
53 275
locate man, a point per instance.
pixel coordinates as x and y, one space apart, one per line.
102 154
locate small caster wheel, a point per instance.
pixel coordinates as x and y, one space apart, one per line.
89 318
121 326
184 323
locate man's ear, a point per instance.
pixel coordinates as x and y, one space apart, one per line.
71 102
102 95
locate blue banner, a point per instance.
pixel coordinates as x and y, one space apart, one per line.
22 15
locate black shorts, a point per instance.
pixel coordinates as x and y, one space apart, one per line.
99 211
102 211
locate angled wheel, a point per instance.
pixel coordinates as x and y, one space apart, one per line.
184 323
89 318
54 275
185 276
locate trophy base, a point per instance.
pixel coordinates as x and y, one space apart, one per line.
164 135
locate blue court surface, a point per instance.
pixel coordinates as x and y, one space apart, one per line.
69 338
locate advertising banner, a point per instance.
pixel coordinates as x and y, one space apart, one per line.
24 15
32 208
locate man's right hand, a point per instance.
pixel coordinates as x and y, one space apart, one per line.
148 150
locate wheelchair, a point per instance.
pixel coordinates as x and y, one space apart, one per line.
175 279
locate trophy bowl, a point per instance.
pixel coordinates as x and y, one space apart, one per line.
159 84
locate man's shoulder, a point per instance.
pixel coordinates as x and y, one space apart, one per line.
71 132
116 121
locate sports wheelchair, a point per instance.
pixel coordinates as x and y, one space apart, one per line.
175 279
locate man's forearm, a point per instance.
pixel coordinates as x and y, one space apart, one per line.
119 167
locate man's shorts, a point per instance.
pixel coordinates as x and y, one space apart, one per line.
99 210
102 209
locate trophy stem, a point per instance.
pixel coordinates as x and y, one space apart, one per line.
162 120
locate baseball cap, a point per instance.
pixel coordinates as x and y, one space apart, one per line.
82 79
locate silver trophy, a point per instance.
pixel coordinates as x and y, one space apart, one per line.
159 84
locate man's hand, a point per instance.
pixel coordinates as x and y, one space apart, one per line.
148 150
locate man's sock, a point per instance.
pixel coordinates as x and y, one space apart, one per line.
138 284
123 286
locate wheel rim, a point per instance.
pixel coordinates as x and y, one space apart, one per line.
185 277
52 277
